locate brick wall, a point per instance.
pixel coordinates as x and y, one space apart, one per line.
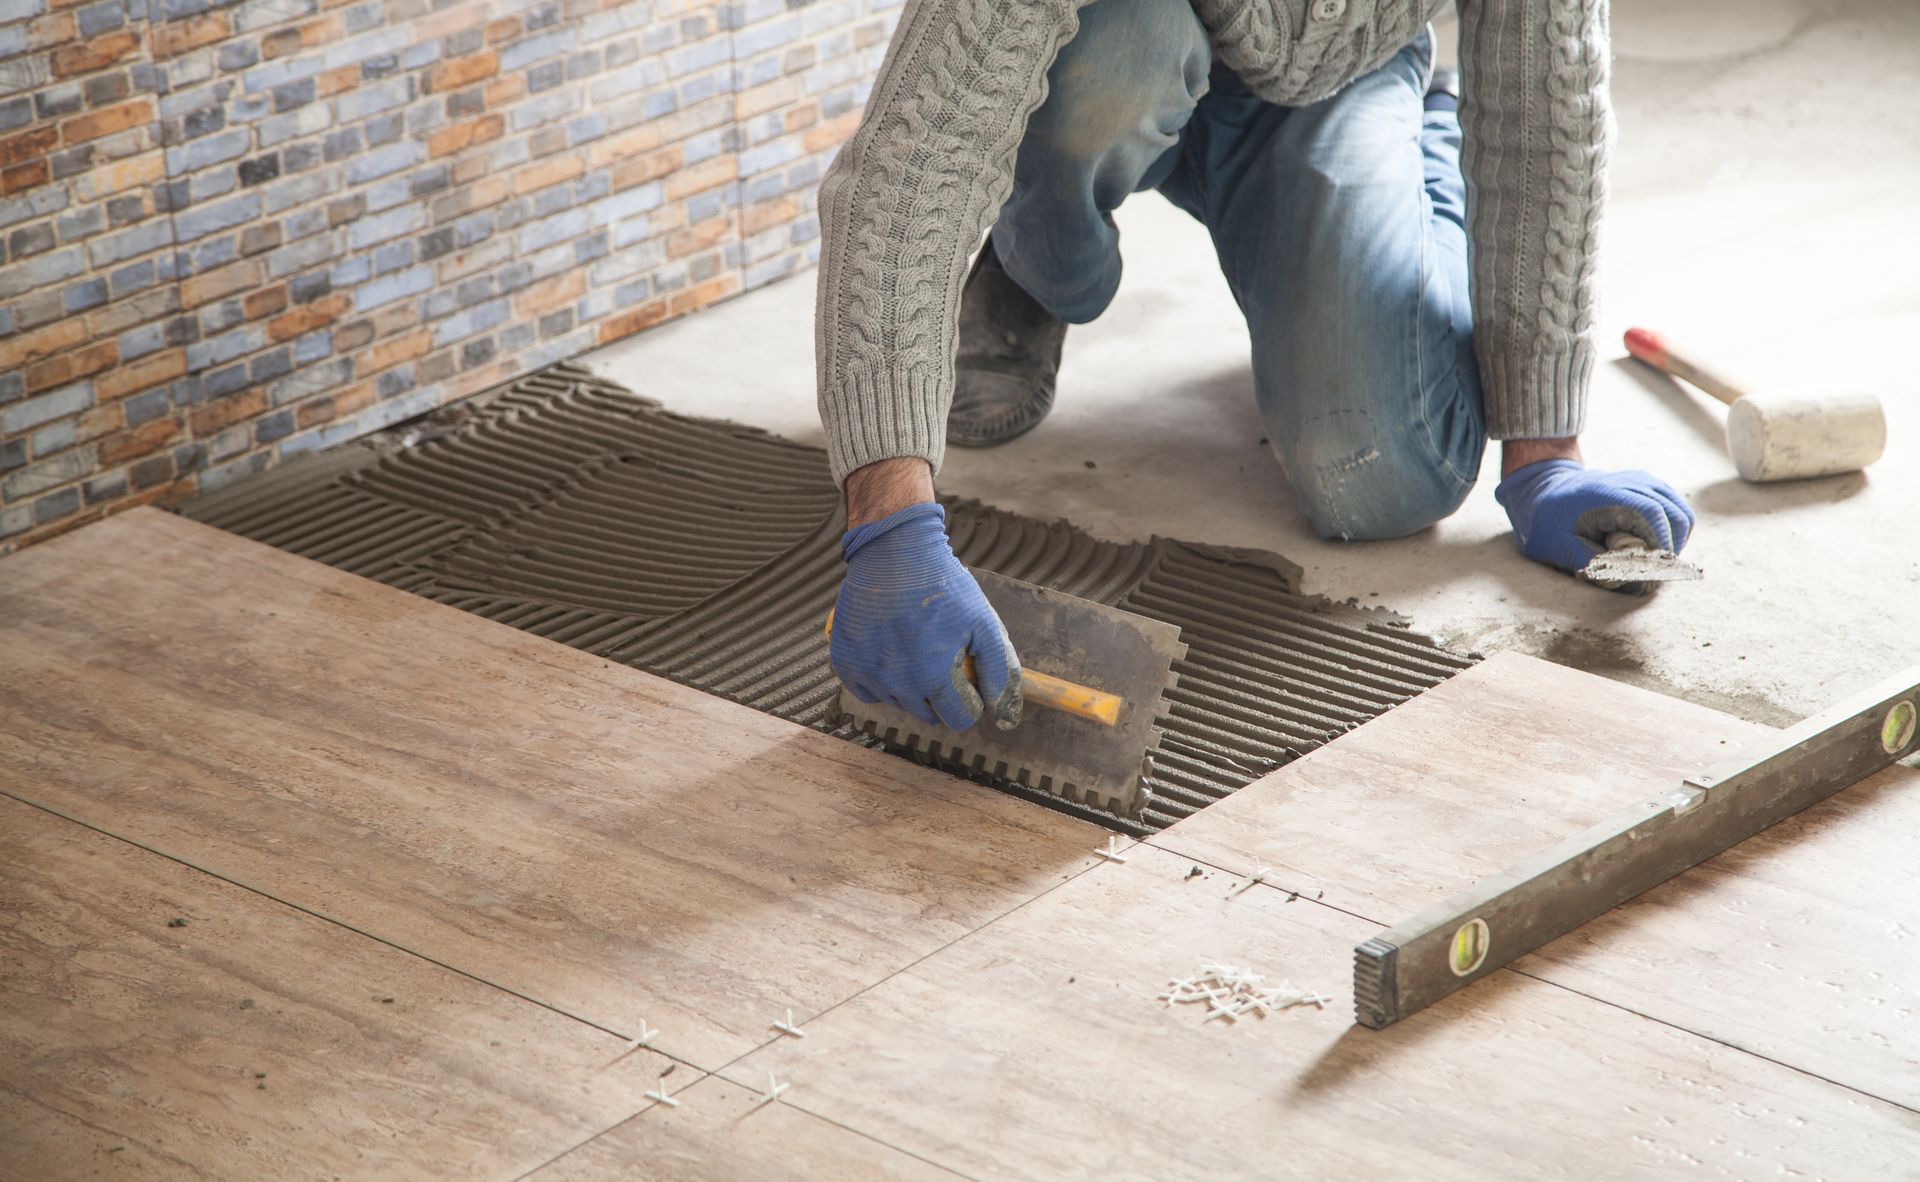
231 232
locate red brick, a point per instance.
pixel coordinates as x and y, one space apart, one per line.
503 30
25 176
626 323
462 71
334 81
650 167
392 352
306 318
218 285
502 91
36 141
325 31
711 292
211 417
461 135
142 374
768 214
95 124
97 421
354 398
71 367
177 37
704 175
265 302
55 28
27 347
552 172
135 442
548 294
96 54
125 174
801 117
698 237
831 133
280 43
313 412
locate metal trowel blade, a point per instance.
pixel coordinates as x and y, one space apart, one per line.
1102 767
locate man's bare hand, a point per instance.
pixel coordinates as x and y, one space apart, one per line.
884 488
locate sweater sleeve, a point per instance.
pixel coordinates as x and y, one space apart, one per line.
905 203
1537 127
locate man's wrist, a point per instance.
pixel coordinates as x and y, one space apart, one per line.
1516 454
885 487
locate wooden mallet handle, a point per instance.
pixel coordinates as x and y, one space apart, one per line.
1652 348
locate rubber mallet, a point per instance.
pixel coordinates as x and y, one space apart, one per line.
1785 435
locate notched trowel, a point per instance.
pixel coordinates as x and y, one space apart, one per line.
1629 564
1093 678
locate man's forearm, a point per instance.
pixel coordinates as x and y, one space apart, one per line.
1516 454
884 488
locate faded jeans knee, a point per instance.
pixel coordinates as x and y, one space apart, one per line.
1358 480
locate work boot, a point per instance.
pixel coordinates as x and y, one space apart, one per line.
1008 357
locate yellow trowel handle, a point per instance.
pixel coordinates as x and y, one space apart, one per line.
1055 693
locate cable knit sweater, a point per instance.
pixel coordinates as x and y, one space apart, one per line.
924 177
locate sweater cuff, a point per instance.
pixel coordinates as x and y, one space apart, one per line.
1536 393
873 416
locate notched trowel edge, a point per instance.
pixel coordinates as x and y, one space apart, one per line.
1084 762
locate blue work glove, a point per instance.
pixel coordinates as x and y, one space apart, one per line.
1563 511
908 615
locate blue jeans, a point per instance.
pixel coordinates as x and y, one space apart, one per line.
1340 227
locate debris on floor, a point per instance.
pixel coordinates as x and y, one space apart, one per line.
1234 993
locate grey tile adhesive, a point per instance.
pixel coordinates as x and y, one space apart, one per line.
708 553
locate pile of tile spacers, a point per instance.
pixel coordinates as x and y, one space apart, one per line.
1233 993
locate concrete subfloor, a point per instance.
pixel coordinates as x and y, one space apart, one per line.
1765 183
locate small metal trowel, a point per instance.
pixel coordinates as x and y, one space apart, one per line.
1629 564
1093 680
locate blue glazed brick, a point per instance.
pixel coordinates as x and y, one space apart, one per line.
312 347
380 227
43 270
430 180
238 343
415 56
148 406
397 380
531 49
204 153
128 280
307 288
217 253
54 506
239 55
138 342
204 121
349 272
359 103
109 487
198 222
15 112
20 417
277 363
222 382
273 427
380 162
546 76
389 288
392 257
82 296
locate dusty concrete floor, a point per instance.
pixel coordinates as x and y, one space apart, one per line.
1765 185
